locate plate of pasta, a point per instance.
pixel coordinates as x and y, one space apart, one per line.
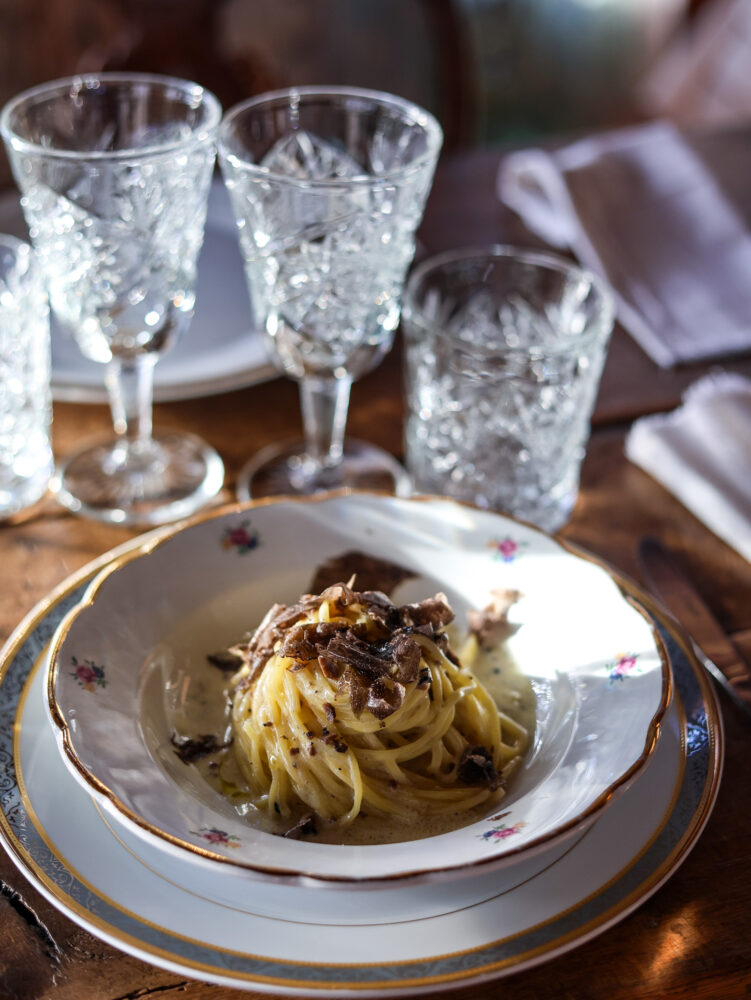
355 689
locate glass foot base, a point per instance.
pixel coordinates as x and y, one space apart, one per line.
147 483
284 470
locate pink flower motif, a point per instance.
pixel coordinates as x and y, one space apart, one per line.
88 674
624 664
85 675
506 549
502 831
213 836
508 831
240 538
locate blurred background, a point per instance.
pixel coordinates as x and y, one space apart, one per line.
494 71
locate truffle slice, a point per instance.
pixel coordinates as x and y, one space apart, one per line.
491 625
371 573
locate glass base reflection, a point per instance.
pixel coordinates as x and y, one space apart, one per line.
151 482
285 470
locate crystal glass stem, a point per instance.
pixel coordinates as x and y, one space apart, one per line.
130 386
324 403
139 478
324 459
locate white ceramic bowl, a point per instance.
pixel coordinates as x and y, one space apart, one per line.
600 676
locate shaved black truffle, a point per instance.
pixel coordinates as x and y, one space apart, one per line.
190 749
372 672
476 768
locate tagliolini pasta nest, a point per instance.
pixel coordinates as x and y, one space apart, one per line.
347 702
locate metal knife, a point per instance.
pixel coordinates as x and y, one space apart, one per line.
713 647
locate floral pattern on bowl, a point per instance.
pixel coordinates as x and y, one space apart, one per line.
218 838
88 675
240 537
501 830
506 549
625 664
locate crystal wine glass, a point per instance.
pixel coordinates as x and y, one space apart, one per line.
115 170
328 186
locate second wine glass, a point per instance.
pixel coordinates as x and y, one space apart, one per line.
328 186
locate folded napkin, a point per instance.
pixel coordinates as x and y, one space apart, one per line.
701 453
640 208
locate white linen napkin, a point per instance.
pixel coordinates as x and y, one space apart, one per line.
701 453
639 207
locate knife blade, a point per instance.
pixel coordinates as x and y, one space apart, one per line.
713 647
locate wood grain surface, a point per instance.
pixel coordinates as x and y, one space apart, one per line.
693 937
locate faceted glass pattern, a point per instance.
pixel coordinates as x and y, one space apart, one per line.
504 355
25 402
327 232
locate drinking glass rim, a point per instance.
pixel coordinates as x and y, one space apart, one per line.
603 321
21 144
420 116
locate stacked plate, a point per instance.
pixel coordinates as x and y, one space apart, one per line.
129 841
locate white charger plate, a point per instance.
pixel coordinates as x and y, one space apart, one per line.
219 352
78 863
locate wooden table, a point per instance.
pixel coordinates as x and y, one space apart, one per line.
693 937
